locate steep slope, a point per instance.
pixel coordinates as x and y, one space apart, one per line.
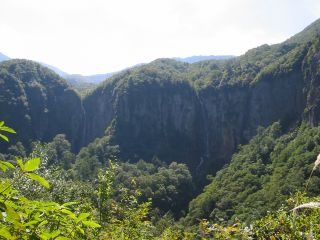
37 103
192 113
273 165
311 68
261 176
199 113
151 109
309 33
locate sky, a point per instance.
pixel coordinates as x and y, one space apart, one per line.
101 36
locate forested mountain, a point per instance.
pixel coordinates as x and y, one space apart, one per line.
82 84
191 113
199 113
261 176
38 103
173 117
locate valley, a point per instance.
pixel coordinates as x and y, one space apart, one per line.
177 146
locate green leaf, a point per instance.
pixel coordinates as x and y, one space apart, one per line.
38 179
20 164
5 189
69 203
32 164
3 207
82 216
69 213
55 233
45 235
80 230
5 165
91 224
5 233
43 223
13 215
4 137
62 238
31 223
7 129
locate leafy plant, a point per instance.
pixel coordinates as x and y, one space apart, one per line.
22 218
6 129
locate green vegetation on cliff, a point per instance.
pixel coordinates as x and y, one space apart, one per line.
261 176
165 126
38 103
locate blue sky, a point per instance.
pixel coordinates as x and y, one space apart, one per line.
98 36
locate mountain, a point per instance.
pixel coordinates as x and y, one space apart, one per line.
309 33
38 103
82 84
3 57
199 113
75 79
194 59
278 161
55 69
58 71
196 114
246 128
261 176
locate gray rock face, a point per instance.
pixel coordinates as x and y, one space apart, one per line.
38 104
174 122
99 112
233 113
160 121
156 111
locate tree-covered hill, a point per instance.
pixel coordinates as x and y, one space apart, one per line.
198 113
310 32
38 103
251 122
261 176
190 113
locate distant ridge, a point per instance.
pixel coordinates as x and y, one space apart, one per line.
3 57
78 79
199 58
92 79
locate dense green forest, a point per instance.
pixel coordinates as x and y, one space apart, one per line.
218 149
82 199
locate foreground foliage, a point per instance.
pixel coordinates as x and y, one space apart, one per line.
23 218
249 199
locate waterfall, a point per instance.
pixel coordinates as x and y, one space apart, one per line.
205 135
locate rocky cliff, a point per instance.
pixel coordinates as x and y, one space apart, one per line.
193 113
37 103
158 110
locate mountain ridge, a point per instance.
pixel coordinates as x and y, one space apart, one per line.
190 113
3 57
199 58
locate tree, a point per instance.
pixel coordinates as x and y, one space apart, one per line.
34 219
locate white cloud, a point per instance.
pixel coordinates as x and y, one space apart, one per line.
96 36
